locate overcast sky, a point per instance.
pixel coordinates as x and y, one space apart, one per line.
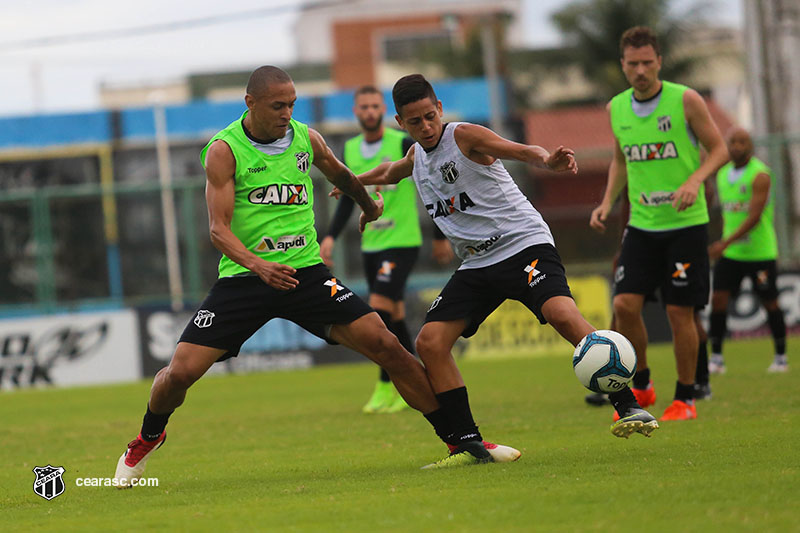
65 77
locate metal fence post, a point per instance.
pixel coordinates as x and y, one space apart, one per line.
43 237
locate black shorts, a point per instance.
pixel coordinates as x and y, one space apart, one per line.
387 271
674 261
237 307
531 277
728 275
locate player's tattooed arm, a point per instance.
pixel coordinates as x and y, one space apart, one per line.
344 180
220 194
483 146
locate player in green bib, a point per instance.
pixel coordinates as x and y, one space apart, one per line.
260 205
659 128
748 248
390 245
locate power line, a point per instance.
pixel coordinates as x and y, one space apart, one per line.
165 27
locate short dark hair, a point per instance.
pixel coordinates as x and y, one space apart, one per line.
637 37
263 77
366 89
412 88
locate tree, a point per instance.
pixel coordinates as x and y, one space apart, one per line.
594 28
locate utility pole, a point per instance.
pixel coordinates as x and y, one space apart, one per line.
491 71
168 204
772 42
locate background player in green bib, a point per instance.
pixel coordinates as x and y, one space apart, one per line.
749 246
390 245
657 126
260 206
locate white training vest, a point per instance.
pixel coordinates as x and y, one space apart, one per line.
478 207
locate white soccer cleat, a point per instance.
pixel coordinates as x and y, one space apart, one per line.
716 365
501 453
132 462
778 367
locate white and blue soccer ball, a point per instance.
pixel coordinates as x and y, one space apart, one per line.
604 361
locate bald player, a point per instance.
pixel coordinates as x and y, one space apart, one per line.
749 246
260 208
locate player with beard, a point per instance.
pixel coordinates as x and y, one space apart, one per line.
659 127
389 245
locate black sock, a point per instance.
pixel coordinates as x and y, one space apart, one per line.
622 400
153 424
777 326
684 393
441 425
717 332
400 329
455 404
701 374
386 316
641 379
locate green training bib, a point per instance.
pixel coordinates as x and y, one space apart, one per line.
273 212
398 226
659 157
761 242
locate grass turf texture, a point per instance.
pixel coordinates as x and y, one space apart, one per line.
293 452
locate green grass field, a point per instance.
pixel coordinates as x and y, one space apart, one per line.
292 452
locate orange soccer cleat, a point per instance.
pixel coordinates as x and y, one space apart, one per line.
680 410
645 397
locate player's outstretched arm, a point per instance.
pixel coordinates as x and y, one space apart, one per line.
344 180
761 186
710 138
390 172
473 139
220 193
387 173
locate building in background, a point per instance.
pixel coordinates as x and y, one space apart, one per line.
377 41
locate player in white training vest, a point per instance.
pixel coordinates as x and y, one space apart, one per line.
506 247
477 206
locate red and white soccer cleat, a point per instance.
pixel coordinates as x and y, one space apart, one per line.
132 462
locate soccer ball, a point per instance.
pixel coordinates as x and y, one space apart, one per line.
604 361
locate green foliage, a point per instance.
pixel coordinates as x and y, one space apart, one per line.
292 452
594 27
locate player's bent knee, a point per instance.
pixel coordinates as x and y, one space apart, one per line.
626 308
181 377
386 350
681 314
719 301
561 321
428 345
